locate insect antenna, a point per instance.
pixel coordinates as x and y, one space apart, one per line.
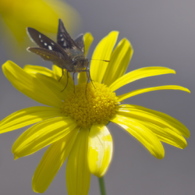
100 60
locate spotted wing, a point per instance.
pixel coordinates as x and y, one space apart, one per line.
55 57
64 39
43 41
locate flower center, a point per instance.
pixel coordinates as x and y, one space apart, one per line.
89 104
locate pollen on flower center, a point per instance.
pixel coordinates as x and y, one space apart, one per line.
89 104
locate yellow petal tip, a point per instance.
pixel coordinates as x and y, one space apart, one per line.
15 157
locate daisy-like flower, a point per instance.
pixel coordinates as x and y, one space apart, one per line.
39 14
73 122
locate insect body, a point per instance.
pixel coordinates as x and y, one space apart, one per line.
66 53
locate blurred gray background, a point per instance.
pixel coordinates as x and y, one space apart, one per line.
162 34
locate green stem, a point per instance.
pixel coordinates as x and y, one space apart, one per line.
102 186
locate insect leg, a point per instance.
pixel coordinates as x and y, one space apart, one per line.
89 77
67 77
73 75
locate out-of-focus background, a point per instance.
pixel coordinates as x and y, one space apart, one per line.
162 34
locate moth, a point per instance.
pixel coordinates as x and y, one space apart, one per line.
66 53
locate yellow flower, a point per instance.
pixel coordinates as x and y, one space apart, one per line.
39 14
73 122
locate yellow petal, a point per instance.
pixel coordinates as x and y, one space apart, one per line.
77 171
88 40
33 69
140 74
27 116
58 88
83 77
119 61
51 162
63 78
100 150
149 89
161 119
29 85
101 53
142 134
57 71
41 135
165 135
58 80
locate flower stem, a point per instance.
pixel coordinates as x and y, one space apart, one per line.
102 186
